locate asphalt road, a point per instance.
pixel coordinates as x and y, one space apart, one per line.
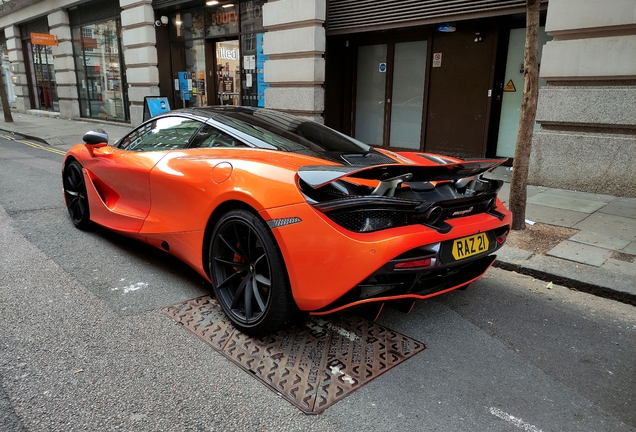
83 345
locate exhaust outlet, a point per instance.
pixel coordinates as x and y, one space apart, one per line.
432 215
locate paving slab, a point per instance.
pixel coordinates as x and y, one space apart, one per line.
554 216
582 253
604 241
622 267
513 255
595 280
625 207
566 203
533 190
630 248
616 227
504 192
587 196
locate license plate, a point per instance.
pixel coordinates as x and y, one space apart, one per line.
469 246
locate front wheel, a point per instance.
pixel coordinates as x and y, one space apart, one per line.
248 273
75 194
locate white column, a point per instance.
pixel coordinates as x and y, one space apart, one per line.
64 64
295 46
16 57
140 54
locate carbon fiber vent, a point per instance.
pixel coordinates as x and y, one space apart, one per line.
370 159
368 220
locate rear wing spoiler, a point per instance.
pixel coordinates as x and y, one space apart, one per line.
318 176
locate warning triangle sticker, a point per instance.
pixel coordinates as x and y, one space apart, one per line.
510 87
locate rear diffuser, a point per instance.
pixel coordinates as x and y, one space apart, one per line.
314 364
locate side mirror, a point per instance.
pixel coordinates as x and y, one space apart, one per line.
97 136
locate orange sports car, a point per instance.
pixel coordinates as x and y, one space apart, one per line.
283 214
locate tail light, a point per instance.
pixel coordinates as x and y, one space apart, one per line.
424 262
501 234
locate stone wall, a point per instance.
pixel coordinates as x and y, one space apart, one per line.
16 57
64 64
587 110
140 54
295 45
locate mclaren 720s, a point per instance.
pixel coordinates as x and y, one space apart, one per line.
282 214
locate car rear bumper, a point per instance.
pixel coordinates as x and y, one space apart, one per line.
326 263
413 287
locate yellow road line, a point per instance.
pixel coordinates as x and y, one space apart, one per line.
40 146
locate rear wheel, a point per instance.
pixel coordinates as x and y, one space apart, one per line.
248 273
75 194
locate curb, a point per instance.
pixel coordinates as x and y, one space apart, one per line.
27 136
578 285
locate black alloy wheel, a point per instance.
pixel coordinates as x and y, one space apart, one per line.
248 273
75 194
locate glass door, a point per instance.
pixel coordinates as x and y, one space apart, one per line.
228 72
390 94
370 94
100 71
44 86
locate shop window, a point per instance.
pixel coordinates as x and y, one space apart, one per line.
99 68
221 20
220 46
195 66
187 25
252 15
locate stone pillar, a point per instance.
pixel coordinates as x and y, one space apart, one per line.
64 64
587 110
140 54
16 57
295 45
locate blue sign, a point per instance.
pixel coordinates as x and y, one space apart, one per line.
260 73
382 67
184 93
154 106
158 106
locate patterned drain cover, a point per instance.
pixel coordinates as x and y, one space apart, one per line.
312 365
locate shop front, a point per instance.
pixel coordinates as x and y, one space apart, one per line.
437 86
99 62
216 54
40 71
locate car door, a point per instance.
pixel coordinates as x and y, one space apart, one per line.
180 182
121 174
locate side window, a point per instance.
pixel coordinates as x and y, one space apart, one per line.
167 133
211 137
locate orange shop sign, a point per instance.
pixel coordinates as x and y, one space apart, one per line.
43 39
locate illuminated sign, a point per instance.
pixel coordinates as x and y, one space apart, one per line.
43 39
226 53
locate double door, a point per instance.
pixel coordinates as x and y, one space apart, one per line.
432 94
389 101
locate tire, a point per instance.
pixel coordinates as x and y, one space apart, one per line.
75 194
248 273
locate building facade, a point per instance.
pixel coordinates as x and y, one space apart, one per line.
587 110
442 77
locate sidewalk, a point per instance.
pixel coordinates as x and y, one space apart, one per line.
599 257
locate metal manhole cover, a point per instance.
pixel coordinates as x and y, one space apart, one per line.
313 365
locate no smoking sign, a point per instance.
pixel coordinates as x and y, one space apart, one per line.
437 59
